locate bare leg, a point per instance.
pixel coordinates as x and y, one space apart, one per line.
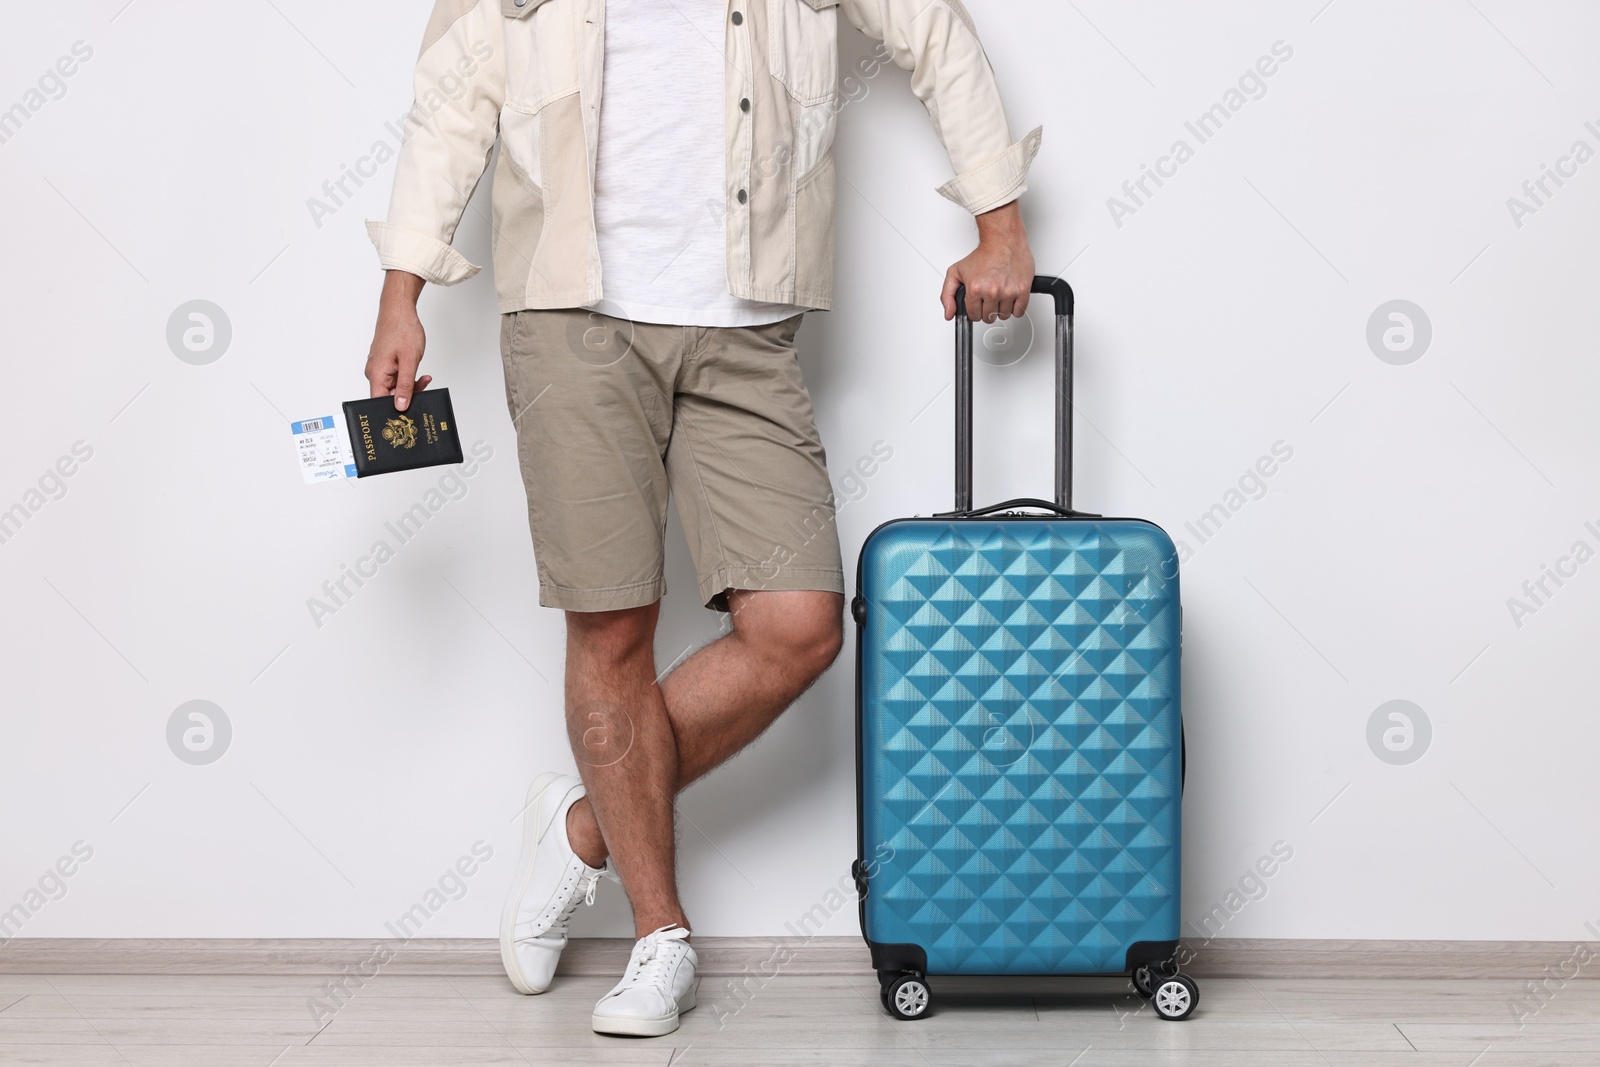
619 730
638 743
726 695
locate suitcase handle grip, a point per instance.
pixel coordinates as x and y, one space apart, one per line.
1061 292
1013 505
1057 288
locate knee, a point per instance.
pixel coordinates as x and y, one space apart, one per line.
815 646
612 637
808 635
827 640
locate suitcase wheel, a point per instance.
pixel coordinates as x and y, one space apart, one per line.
1144 981
1147 976
905 996
1174 997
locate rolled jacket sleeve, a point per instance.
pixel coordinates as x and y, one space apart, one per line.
418 253
937 41
450 133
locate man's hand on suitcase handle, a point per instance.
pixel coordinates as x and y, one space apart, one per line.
398 341
999 273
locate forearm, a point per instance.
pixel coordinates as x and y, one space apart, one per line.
401 290
1003 225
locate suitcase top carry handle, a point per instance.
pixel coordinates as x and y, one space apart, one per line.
1062 294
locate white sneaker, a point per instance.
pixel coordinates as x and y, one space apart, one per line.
551 882
658 985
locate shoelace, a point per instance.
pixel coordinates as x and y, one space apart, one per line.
588 883
654 956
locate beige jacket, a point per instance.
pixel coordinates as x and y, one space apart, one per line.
529 72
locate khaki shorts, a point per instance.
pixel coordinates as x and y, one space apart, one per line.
612 416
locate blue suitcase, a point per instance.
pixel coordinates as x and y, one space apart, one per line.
1019 745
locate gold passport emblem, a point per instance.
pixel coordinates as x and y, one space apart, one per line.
400 432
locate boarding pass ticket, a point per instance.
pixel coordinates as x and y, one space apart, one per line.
324 448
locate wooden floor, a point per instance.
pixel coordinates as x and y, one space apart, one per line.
257 1021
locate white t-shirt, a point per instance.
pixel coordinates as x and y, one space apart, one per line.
661 168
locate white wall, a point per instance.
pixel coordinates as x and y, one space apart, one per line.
1226 314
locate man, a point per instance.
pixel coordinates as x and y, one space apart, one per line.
663 218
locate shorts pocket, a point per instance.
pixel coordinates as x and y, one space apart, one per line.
509 323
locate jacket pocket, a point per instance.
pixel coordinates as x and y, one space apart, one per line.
541 54
519 143
803 47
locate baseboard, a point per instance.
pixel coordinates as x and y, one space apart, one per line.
1251 957
1217 958
419 956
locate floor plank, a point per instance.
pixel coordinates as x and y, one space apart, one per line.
789 1021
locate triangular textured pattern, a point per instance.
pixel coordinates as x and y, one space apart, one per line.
1020 727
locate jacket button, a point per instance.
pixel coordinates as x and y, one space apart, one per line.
520 3
738 18
744 105
744 197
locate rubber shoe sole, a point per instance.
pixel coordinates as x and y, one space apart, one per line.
532 820
634 1026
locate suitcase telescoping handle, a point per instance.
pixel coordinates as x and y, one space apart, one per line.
1058 289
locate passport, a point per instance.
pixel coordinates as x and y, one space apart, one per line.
385 440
